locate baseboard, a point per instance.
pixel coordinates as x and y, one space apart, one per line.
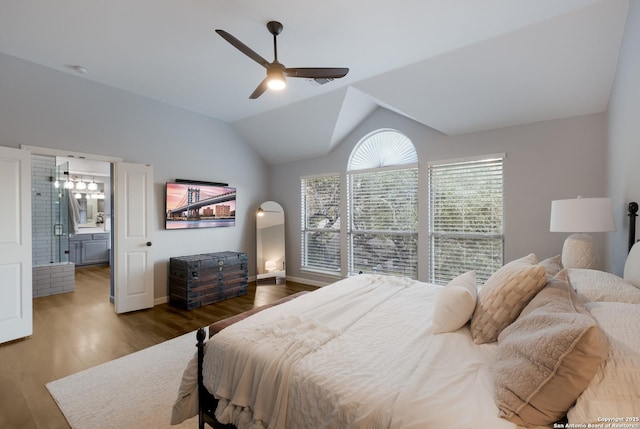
161 300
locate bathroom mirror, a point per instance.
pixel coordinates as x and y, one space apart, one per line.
270 251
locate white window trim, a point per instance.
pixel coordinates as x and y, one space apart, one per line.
340 232
470 159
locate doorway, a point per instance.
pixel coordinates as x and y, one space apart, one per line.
71 220
132 217
90 219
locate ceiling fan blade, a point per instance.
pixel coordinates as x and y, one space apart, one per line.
316 72
244 49
260 89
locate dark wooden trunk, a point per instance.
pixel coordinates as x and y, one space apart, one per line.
203 279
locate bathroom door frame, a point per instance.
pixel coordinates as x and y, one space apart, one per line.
115 280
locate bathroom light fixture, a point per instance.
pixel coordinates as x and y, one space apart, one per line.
92 186
68 184
260 212
77 195
81 185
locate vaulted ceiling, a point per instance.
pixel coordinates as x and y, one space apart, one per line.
456 66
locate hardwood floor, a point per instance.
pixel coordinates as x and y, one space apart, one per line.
79 330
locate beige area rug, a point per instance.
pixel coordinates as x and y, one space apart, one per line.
134 391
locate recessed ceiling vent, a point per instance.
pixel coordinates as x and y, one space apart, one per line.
319 81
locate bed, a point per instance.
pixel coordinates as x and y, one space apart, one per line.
536 346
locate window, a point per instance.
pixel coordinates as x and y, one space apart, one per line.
320 232
383 205
465 218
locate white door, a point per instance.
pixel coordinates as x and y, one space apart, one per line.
16 313
133 223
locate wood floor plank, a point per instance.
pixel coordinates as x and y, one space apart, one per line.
78 330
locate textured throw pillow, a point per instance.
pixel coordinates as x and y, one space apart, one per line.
615 390
553 265
504 295
601 286
547 357
455 304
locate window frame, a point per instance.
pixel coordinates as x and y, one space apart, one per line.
305 229
371 146
465 265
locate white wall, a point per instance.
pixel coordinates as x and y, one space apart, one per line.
44 107
624 138
545 161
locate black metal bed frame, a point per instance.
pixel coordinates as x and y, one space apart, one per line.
633 214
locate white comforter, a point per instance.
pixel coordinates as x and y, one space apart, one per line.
355 354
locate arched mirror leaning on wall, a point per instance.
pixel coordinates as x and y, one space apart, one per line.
270 251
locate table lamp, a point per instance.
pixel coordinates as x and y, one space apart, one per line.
581 215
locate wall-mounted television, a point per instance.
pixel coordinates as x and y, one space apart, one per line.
192 204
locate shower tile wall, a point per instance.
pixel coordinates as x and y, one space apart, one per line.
49 276
42 169
53 279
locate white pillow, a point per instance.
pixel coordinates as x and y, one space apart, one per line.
601 286
553 265
615 389
632 266
455 304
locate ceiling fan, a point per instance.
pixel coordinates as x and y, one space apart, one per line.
277 71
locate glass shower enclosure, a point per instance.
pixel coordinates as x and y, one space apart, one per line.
60 215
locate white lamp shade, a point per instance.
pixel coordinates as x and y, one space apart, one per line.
582 215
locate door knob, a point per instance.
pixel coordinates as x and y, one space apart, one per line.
149 243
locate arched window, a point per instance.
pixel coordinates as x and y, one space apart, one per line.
382 206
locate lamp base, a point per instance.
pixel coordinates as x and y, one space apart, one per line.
579 251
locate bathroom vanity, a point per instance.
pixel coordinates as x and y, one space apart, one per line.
89 247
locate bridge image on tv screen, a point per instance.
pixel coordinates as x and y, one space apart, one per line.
194 205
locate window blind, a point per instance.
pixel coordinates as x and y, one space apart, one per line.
383 221
466 217
320 232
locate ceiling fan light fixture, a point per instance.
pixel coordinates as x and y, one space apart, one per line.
276 80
